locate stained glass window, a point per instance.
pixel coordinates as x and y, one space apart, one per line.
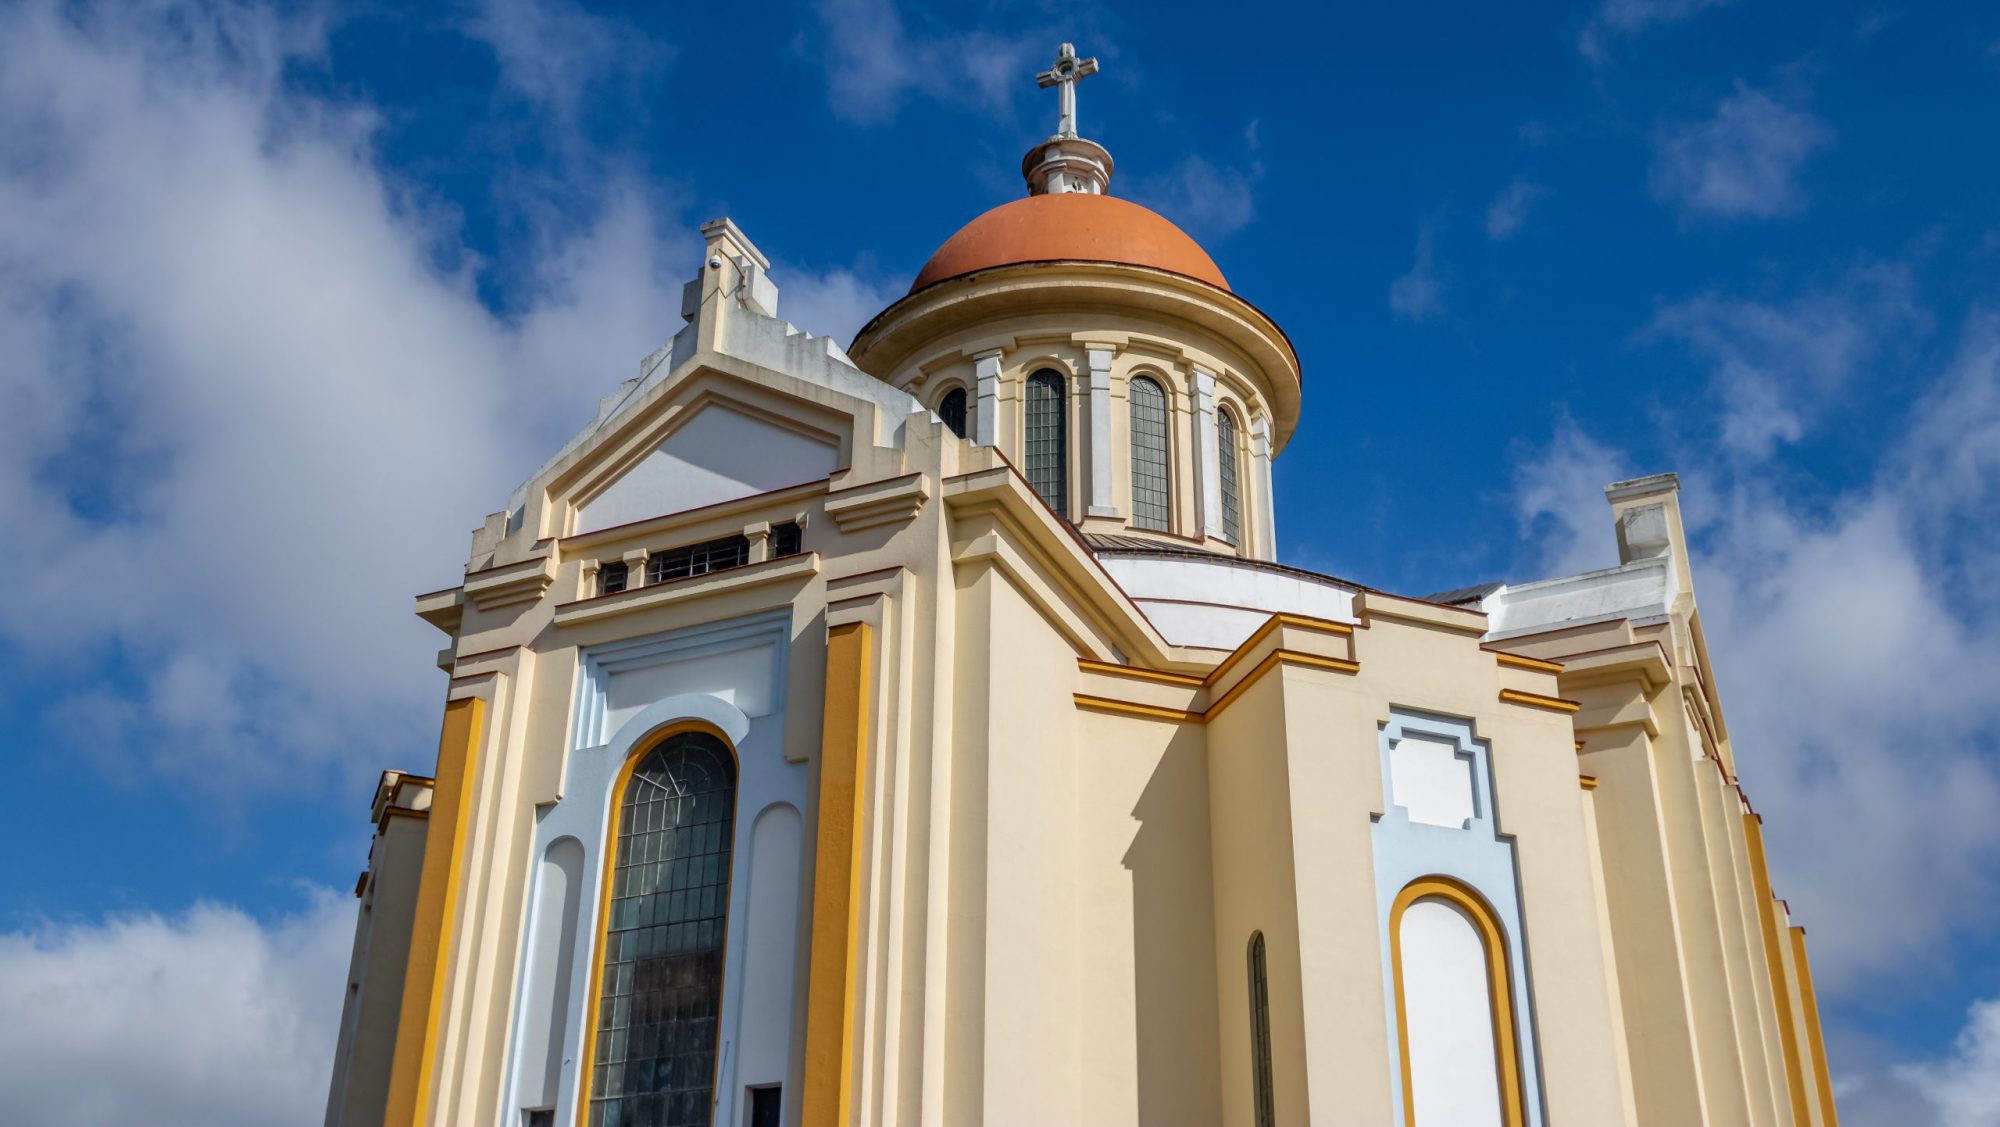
658 1013
1260 1035
1232 505
952 410
1150 504
1047 454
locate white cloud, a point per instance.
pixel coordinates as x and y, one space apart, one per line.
1419 293
1743 161
1509 210
873 61
1628 18
1207 201
833 303
552 51
1964 1086
1559 500
209 1018
1778 365
1856 681
243 413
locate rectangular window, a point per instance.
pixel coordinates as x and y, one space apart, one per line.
766 1106
697 559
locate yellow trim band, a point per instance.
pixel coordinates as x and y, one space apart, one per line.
1815 1039
421 1014
1537 700
1499 991
1136 673
1781 992
1588 782
1134 708
836 919
1522 661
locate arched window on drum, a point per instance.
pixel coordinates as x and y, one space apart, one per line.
1152 495
1045 453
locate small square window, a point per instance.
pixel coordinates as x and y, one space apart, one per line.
611 579
786 539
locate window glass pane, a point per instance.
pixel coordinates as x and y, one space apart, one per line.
1046 458
1149 455
952 410
786 539
658 1014
1225 442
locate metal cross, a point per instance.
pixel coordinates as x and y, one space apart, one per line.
1067 71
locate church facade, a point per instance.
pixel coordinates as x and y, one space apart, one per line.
925 733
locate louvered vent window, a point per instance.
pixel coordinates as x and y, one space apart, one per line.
1232 506
1047 453
952 410
1151 503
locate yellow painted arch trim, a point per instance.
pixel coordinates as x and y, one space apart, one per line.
586 1064
1499 988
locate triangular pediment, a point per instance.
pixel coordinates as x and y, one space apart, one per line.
714 453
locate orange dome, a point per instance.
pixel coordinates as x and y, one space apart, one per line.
1072 226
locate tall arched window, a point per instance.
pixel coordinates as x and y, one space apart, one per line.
1150 496
653 1040
1261 1088
952 410
1455 1034
1232 501
1046 456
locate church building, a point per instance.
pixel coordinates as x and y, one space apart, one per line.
925 733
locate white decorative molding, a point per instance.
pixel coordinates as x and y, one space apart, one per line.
986 380
894 501
780 570
1100 503
1260 474
1208 466
512 584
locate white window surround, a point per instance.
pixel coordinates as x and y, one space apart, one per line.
739 668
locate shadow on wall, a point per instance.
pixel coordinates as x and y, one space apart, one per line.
1173 941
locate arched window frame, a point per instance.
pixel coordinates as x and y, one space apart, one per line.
1263 1091
614 824
1229 453
1053 489
1137 445
964 428
1499 987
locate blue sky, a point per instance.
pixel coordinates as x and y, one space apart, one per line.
292 298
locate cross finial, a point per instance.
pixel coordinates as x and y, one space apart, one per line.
1066 72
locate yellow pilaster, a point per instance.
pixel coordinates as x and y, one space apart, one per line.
1815 1037
843 770
1781 994
437 895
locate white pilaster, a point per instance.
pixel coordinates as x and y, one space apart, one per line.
1100 504
1208 467
1260 463
986 419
